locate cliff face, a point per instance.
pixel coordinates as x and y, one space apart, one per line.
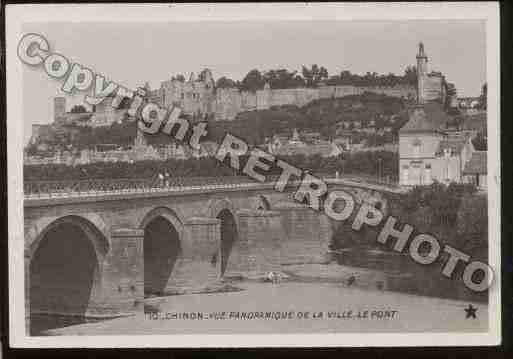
227 103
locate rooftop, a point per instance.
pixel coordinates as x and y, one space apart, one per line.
454 144
429 117
475 122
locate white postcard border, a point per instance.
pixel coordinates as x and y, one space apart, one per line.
17 15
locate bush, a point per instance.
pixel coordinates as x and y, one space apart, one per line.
358 164
472 225
454 214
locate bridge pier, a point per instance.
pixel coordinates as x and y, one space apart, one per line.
258 247
199 264
307 234
121 285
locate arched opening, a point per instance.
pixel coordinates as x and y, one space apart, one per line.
161 251
228 236
63 270
263 204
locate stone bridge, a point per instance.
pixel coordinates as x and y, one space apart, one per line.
100 252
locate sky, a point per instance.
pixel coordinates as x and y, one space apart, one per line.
133 53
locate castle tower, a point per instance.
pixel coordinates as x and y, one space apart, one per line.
59 107
421 73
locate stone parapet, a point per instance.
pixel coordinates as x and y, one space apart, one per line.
257 213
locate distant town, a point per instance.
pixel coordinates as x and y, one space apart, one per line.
432 134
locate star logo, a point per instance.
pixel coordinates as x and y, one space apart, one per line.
471 312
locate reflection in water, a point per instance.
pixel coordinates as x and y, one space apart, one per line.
62 274
399 273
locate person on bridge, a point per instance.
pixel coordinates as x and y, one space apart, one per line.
161 179
167 178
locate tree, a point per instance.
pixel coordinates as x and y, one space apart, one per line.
410 75
346 78
483 97
282 79
314 75
125 103
78 109
225 82
479 142
178 77
472 224
253 81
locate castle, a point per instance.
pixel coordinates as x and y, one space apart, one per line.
198 96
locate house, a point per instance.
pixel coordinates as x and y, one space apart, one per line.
311 137
342 142
475 171
368 130
356 147
427 152
296 146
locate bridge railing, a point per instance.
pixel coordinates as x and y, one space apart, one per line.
78 188
35 189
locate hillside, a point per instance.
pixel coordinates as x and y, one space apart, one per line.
323 116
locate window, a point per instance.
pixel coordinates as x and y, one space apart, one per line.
428 178
416 147
415 173
448 172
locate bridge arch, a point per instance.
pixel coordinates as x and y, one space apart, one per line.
64 268
215 206
224 210
229 235
163 235
37 230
